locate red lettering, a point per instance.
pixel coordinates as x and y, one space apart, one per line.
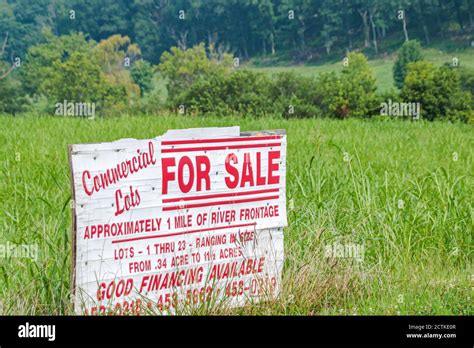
113 290
203 173
185 161
120 171
129 201
151 151
247 171
167 176
260 180
273 167
232 171
84 174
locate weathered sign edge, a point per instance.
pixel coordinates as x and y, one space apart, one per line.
74 232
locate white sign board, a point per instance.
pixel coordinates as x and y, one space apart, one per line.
191 218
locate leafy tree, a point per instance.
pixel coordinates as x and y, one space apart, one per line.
113 51
365 9
294 16
22 22
332 23
245 27
100 19
267 23
358 71
410 52
142 75
182 68
116 55
11 96
358 86
77 79
38 66
71 68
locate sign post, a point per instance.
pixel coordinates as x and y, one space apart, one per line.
191 218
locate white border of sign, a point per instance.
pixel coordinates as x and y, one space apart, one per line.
269 234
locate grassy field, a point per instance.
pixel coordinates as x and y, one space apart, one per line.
382 67
403 191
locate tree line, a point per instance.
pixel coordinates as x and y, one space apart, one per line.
110 57
303 30
69 72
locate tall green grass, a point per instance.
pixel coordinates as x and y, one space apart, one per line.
402 190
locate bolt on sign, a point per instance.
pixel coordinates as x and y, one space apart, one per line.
187 220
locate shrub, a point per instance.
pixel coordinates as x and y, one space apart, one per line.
467 81
242 91
387 97
246 91
352 94
294 95
439 92
207 85
409 53
206 95
288 84
330 95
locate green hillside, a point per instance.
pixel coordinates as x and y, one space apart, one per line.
381 67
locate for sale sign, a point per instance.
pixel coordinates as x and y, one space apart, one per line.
191 218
